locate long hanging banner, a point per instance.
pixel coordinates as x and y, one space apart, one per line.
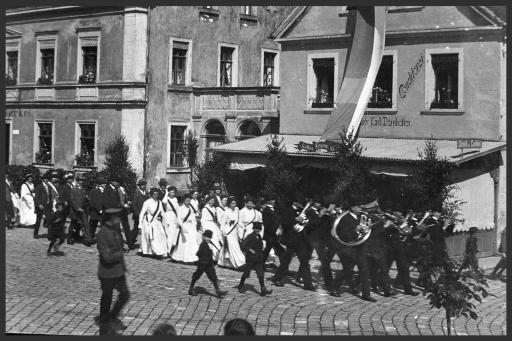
361 72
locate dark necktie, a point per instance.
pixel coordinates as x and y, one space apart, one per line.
50 199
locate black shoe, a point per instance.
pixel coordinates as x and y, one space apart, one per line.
221 293
411 292
70 242
368 298
241 289
311 288
265 292
278 283
389 293
192 292
59 253
334 293
118 324
49 253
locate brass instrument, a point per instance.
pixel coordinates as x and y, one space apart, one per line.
298 227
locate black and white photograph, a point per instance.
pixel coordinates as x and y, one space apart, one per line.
255 170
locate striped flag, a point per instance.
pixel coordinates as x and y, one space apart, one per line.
363 65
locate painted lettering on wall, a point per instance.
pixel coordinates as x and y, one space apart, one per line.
385 121
413 72
18 113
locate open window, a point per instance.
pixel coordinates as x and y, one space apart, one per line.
444 79
176 141
228 65
384 90
180 62
85 144
322 80
270 68
44 142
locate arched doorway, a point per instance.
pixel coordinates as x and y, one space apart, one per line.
248 129
214 134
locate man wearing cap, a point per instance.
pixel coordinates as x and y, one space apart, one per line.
206 264
78 211
111 270
44 202
141 195
271 223
216 194
112 199
54 184
252 247
64 194
95 206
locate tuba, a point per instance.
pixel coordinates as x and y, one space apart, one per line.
368 218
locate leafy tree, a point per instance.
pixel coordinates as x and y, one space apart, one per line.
117 164
281 179
454 289
190 152
213 169
353 177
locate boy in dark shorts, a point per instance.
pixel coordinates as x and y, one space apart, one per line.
206 264
56 228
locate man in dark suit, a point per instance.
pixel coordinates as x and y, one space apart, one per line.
217 194
206 264
43 202
111 271
65 195
77 212
162 191
141 195
112 199
95 206
271 224
296 243
252 247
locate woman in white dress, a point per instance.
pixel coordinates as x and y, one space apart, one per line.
27 205
170 220
187 245
248 215
153 240
210 221
231 255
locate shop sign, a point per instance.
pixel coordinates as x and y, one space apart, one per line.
317 146
469 144
18 113
386 121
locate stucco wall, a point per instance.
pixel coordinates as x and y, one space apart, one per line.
109 124
111 47
481 94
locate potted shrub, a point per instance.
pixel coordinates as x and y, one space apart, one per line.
84 159
88 78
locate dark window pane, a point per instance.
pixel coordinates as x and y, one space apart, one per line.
87 141
176 148
44 154
12 66
47 67
90 55
324 72
446 74
179 63
382 91
226 72
268 68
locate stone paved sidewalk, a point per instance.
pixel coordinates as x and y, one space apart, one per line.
60 295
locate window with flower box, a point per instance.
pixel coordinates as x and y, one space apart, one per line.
444 79
46 58
47 66
88 57
384 90
85 155
44 142
322 80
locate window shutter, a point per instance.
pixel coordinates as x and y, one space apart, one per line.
179 45
89 42
46 44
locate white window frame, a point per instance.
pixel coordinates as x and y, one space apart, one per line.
11 122
50 40
430 77
36 139
252 9
394 94
77 139
311 80
234 82
276 66
13 45
168 148
188 71
87 35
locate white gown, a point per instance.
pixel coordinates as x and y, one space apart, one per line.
231 255
153 240
187 246
27 205
209 221
170 221
247 217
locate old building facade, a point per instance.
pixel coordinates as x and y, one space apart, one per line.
75 76
212 71
442 75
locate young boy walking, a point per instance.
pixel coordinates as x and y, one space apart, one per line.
471 251
206 264
252 247
56 233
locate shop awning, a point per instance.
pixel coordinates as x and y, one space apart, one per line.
245 153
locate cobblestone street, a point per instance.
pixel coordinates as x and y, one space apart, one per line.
60 295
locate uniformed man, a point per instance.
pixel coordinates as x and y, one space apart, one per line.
43 202
294 239
111 271
96 205
271 223
318 236
112 199
252 247
131 238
